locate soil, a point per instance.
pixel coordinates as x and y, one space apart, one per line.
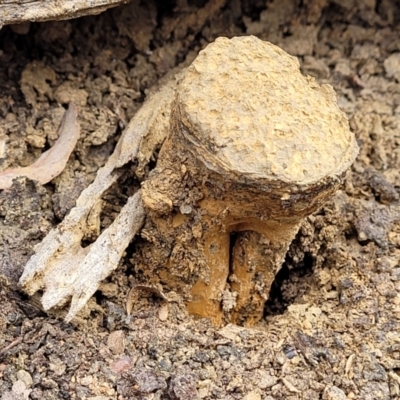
332 321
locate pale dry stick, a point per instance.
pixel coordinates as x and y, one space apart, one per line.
10 346
265 145
14 12
53 161
61 265
115 239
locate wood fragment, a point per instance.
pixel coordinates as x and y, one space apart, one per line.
289 386
349 366
53 161
60 261
14 12
10 346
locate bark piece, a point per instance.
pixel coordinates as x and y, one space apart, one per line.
61 265
14 12
53 161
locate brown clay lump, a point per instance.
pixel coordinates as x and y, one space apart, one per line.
266 146
248 110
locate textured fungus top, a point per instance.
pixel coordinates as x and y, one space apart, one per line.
248 110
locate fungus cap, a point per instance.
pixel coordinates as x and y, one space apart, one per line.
246 109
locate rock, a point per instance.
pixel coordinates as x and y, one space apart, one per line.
392 66
333 393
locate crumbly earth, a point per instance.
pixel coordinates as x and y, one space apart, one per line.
332 320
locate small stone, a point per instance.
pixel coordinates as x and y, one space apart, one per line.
392 66
116 342
333 393
265 380
165 364
163 312
185 209
148 381
183 386
18 387
252 396
7 396
203 392
25 377
384 190
122 364
86 380
224 351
